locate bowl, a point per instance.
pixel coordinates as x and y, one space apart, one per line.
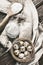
28 53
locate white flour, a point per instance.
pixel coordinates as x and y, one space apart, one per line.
16 7
4 4
12 29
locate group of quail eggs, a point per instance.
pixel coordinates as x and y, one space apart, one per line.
22 49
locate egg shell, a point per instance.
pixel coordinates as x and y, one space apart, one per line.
21 55
29 55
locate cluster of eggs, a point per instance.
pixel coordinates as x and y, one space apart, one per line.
22 49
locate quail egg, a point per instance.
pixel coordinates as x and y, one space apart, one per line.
21 55
22 49
21 43
26 53
16 46
26 44
29 48
16 52
29 55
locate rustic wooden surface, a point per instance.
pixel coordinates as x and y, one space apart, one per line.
7 58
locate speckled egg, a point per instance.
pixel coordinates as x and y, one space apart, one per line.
21 43
29 48
26 44
16 52
16 46
26 53
22 49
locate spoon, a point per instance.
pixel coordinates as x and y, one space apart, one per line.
12 10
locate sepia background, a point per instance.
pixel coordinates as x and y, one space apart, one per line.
7 58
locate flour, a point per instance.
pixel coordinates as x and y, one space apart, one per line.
4 4
12 29
16 7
